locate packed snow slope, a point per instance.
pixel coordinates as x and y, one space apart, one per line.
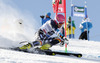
89 49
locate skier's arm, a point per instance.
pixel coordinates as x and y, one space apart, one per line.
42 16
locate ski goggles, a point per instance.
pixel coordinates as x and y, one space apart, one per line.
61 22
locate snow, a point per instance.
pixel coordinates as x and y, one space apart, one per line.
20 57
89 49
12 33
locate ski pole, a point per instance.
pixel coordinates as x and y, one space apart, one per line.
66 47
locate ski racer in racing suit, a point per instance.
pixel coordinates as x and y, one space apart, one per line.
48 35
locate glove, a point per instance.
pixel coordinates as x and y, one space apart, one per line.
80 26
42 16
65 40
61 44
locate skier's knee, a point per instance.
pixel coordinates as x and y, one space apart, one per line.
55 41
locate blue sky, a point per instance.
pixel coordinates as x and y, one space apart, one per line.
40 7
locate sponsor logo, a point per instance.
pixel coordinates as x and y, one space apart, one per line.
79 9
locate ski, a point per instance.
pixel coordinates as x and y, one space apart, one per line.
53 53
79 55
47 52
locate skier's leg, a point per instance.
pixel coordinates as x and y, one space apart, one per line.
82 36
27 46
85 35
73 36
35 43
24 47
69 35
30 45
50 44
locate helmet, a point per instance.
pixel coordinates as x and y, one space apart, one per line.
60 18
49 14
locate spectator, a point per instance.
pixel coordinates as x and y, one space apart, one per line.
85 27
45 18
70 28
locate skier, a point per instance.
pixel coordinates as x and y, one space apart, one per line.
85 27
48 35
47 17
70 28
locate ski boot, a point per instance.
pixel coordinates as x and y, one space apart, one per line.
45 47
24 48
